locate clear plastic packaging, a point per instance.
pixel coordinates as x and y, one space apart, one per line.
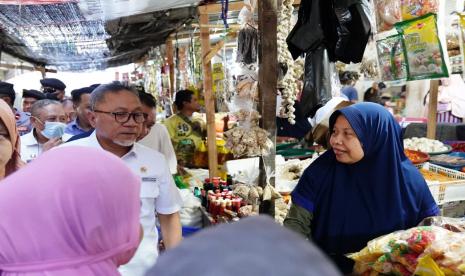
388 13
391 58
451 224
423 250
248 141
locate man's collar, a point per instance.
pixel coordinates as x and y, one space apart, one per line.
75 125
134 151
29 139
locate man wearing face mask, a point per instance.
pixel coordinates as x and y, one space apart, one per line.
48 121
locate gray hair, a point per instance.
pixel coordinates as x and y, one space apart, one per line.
98 95
37 106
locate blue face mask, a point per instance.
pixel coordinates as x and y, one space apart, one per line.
53 130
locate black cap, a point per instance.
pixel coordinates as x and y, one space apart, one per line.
95 85
31 93
76 93
54 83
381 85
7 89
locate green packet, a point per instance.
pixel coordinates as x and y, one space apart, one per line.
422 48
391 58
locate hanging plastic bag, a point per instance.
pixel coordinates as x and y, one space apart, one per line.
317 81
416 8
422 48
247 39
391 58
388 13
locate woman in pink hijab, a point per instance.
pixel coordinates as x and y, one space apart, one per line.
10 160
74 211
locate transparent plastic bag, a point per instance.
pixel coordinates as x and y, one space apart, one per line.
413 252
451 224
248 141
391 58
388 13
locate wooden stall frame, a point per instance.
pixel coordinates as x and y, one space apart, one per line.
267 88
207 54
432 110
169 60
41 69
208 93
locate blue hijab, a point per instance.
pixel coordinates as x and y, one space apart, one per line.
382 193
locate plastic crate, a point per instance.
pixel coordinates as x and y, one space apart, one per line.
448 191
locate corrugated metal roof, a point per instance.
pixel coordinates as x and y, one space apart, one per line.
78 36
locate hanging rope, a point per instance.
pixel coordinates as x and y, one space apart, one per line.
224 12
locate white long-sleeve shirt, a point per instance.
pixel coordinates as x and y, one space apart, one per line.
159 139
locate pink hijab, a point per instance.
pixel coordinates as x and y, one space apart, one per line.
8 118
73 211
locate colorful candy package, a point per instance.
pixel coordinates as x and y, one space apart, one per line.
422 48
416 8
423 250
391 58
388 13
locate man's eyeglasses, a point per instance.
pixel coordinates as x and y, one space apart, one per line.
123 117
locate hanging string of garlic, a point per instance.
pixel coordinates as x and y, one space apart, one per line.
288 83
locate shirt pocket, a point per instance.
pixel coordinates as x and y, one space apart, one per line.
149 187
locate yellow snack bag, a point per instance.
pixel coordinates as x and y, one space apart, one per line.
416 8
428 267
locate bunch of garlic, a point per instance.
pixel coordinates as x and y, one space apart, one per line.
247 88
288 83
281 210
251 194
244 115
248 141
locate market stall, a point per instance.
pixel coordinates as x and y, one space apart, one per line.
248 62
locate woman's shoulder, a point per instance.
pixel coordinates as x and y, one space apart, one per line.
414 179
317 168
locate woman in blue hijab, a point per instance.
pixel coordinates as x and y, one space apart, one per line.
362 188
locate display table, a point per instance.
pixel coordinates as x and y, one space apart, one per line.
444 132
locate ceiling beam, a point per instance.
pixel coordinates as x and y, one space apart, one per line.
29 68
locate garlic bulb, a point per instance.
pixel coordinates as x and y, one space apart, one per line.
288 83
424 145
248 141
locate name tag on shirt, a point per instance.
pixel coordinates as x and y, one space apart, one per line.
149 179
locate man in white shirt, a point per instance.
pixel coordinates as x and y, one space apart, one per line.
156 136
48 120
117 118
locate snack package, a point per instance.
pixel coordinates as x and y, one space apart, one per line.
388 13
391 58
416 8
423 250
448 253
422 48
